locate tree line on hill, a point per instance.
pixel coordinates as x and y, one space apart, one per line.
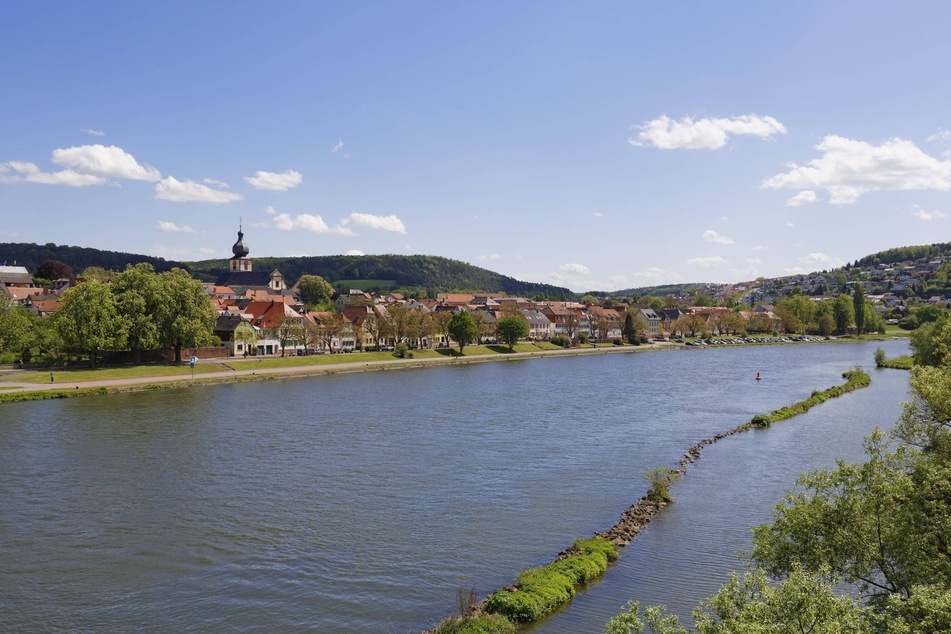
419 275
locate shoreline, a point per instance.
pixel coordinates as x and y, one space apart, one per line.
13 392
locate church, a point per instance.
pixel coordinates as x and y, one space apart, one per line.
241 277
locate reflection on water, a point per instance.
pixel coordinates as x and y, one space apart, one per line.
362 502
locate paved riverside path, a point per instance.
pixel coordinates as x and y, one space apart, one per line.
9 385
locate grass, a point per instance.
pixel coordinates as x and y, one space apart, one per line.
899 363
77 375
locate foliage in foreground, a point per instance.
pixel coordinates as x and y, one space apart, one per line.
881 528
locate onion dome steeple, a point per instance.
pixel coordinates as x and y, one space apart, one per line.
240 249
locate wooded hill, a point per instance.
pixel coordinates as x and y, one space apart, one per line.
424 274
31 255
905 254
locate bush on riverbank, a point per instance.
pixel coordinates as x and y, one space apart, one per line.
538 591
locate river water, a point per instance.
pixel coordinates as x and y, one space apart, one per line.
362 503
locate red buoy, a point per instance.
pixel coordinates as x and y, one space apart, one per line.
758 377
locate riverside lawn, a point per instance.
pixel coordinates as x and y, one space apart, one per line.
21 382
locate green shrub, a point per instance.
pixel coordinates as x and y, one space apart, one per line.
618 341
402 351
760 420
597 545
660 480
879 357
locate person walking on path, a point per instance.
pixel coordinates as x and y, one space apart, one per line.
51 376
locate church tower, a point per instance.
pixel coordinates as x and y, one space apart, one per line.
240 261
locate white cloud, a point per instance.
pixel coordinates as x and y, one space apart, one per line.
712 236
171 226
26 172
711 133
307 222
354 252
106 161
790 224
655 276
273 181
338 147
92 132
816 259
206 251
754 260
848 169
382 223
579 269
940 135
724 219
802 198
760 247
170 253
170 188
270 210
215 183
708 262
925 215
597 214
494 256
260 225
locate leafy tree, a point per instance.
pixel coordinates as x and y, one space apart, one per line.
184 314
510 329
247 336
929 341
53 270
89 320
843 313
314 290
463 329
99 273
16 328
801 603
630 329
287 329
329 327
137 291
858 306
441 319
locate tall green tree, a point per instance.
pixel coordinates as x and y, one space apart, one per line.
630 328
858 307
89 320
16 328
315 291
510 329
843 313
463 329
185 315
138 292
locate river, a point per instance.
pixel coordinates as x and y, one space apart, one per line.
361 503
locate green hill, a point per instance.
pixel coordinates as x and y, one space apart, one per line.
424 274
31 255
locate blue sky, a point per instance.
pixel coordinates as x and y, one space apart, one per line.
598 145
